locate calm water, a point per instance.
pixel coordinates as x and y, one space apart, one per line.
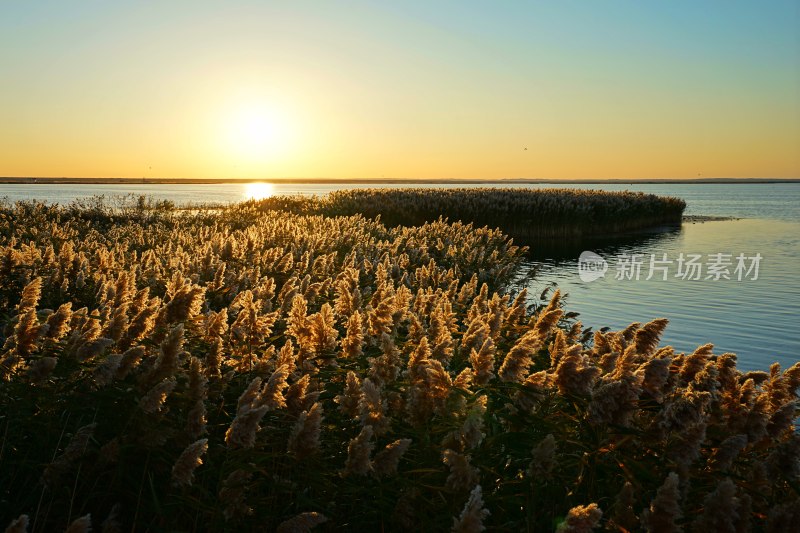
756 319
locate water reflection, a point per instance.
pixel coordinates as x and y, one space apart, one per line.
558 252
752 318
258 190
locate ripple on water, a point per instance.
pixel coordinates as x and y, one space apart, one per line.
754 319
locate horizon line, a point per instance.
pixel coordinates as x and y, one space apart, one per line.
30 180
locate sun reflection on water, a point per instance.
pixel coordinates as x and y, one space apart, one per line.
258 191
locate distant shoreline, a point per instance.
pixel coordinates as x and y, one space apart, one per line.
378 181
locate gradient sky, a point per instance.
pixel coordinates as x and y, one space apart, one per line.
357 89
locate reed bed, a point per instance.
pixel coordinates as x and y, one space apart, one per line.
530 215
249 370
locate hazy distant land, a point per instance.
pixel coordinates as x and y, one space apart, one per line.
193 181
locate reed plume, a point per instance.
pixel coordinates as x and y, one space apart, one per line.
169 357
58 323
272 396
26 335
721 510
623 515
385 368
107 370
543 458
372 407
477 333
462 474
694 363
74 451
304 438
153 400
440 333
196 420
144 321
353 342
724 456
233 494
665 509
216 323
30 296
184 305
18 525
482 362
187 463
575 375
358 453
350 399
249 412
517 363
81 525
386 461
41 368
130 359
581 519
654 375
647 337
295 397
473 515
615 400
549 316
91 349
472 430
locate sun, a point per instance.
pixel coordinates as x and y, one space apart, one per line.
257 131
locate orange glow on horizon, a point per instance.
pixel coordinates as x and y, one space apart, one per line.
322 92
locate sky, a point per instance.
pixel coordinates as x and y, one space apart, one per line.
430 90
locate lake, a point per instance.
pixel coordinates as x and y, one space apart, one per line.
754 317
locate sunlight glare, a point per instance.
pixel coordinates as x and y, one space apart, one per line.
258 191
257 132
